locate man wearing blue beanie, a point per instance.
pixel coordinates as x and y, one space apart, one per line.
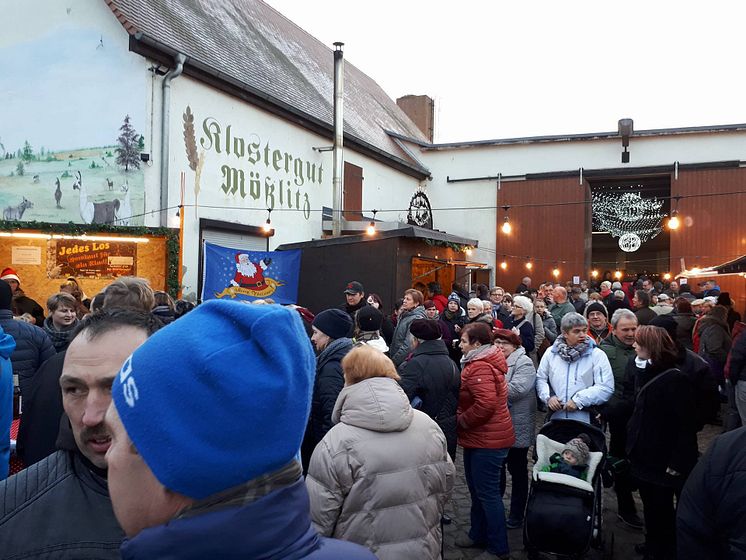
206 420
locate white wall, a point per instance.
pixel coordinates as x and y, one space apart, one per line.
521 159
383 187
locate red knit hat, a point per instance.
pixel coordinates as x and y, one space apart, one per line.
9 274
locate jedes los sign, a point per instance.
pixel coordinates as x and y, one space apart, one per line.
255 168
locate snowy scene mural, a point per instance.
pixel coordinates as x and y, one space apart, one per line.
72 122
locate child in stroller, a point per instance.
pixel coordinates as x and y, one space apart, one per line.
564 511
573 460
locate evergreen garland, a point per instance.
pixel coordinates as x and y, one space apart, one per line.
70 228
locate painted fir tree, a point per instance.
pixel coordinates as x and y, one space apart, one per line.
128 151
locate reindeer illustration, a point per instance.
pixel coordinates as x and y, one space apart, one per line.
110 184
58 192
16 212
94 212
124 215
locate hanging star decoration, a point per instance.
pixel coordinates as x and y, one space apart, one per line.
628 216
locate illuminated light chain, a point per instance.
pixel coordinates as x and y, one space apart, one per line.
628 216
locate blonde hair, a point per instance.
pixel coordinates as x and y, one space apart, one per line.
364 362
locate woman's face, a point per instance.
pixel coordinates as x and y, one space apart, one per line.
373 302
473 311
408 303
453 306
518 311
540 306
641 351
506 346
467 346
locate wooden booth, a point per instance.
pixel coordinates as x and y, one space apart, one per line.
386 263
44 259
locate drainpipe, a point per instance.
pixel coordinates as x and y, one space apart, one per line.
165 122
337 182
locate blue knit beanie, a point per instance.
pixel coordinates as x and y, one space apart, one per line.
454 297
218 397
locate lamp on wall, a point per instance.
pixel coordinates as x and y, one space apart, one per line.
267 226
626 129
371 229
506 227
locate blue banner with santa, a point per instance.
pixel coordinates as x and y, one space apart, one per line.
250 275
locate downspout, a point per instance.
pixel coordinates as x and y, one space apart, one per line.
165 122
337 181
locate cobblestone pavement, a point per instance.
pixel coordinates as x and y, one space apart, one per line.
623 537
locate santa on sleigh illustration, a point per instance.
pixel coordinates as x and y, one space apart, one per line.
250 275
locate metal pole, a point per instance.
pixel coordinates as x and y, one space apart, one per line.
337 183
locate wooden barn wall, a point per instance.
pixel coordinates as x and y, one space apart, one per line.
547 234
712 230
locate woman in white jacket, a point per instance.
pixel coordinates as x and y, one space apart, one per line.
574 373
382 475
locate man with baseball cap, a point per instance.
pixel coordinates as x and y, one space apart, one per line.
355 298
205 435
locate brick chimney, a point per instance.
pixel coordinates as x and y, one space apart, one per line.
421 109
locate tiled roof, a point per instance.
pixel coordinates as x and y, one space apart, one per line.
250 42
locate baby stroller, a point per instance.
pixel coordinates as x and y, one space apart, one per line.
564 514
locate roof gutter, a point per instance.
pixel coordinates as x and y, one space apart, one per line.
155 50
165 128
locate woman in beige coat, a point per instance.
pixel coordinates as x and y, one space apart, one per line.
382 475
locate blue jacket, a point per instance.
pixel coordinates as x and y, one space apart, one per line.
7 345
277 526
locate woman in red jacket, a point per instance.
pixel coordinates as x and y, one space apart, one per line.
485 431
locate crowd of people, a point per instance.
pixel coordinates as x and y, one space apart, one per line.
151 428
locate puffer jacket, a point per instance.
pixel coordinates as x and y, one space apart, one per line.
401 343
327 384
714 339
381 477
58 508
33 347
588 381
483 418
521 378
7 345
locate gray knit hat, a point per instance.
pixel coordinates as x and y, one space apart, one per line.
579 449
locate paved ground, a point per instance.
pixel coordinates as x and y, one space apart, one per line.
623 537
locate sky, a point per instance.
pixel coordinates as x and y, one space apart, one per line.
505 69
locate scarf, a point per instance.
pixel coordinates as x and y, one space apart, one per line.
570 354
449 315
59 338
367 336
334 345
472 355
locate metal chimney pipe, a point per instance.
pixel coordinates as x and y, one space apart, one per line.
338 176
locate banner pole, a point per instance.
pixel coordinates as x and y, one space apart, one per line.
181 237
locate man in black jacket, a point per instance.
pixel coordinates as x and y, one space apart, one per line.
711 515
33 345
431 375
60 506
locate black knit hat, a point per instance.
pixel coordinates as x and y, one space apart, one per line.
425 329
369 319
596 306
334 323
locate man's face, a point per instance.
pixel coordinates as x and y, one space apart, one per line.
13 285
646 285
557 295
674 286
625 330
575 336
63 317
87 375
496 296
636 302
596 319
431 312
139 499
354 298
